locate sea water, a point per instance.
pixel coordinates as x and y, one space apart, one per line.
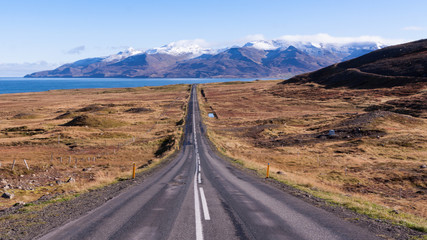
21 85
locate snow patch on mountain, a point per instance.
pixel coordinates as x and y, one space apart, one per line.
261 45
122 55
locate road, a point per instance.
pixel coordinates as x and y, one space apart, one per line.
198 195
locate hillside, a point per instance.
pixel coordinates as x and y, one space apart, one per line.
391 66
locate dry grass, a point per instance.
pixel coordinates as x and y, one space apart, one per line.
91 135
372 165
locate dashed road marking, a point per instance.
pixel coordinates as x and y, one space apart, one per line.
204 205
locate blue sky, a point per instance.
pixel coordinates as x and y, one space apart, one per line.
41 34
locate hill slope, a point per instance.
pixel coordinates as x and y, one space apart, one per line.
391 66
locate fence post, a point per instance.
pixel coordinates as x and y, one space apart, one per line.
28 168
13 164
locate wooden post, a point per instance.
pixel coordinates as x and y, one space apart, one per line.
13 164
28 168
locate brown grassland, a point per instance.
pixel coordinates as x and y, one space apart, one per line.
90 135
374 164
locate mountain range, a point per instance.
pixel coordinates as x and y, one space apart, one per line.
261 58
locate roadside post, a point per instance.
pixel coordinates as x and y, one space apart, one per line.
268 170
133 172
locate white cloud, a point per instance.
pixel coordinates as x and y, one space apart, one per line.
253 37
326 38
76 50
188 43
21 69
412 28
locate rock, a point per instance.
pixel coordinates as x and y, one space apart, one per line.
21 175
19 204
6 187
423 166
71 180
4 182
394 211
8 195
86 169
150 161
59 182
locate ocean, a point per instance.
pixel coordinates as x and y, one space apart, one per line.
21 85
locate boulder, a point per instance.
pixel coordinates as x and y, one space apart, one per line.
8 195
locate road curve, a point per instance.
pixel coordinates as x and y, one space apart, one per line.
200 196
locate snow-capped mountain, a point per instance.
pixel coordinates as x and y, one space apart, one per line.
315 47
261 58
184 47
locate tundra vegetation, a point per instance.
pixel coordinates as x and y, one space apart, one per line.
373 162
76 140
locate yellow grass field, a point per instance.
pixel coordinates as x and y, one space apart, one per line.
89 135
373 164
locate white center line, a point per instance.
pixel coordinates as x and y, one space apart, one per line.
199 227
204 204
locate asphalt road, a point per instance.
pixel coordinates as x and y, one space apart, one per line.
200 196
